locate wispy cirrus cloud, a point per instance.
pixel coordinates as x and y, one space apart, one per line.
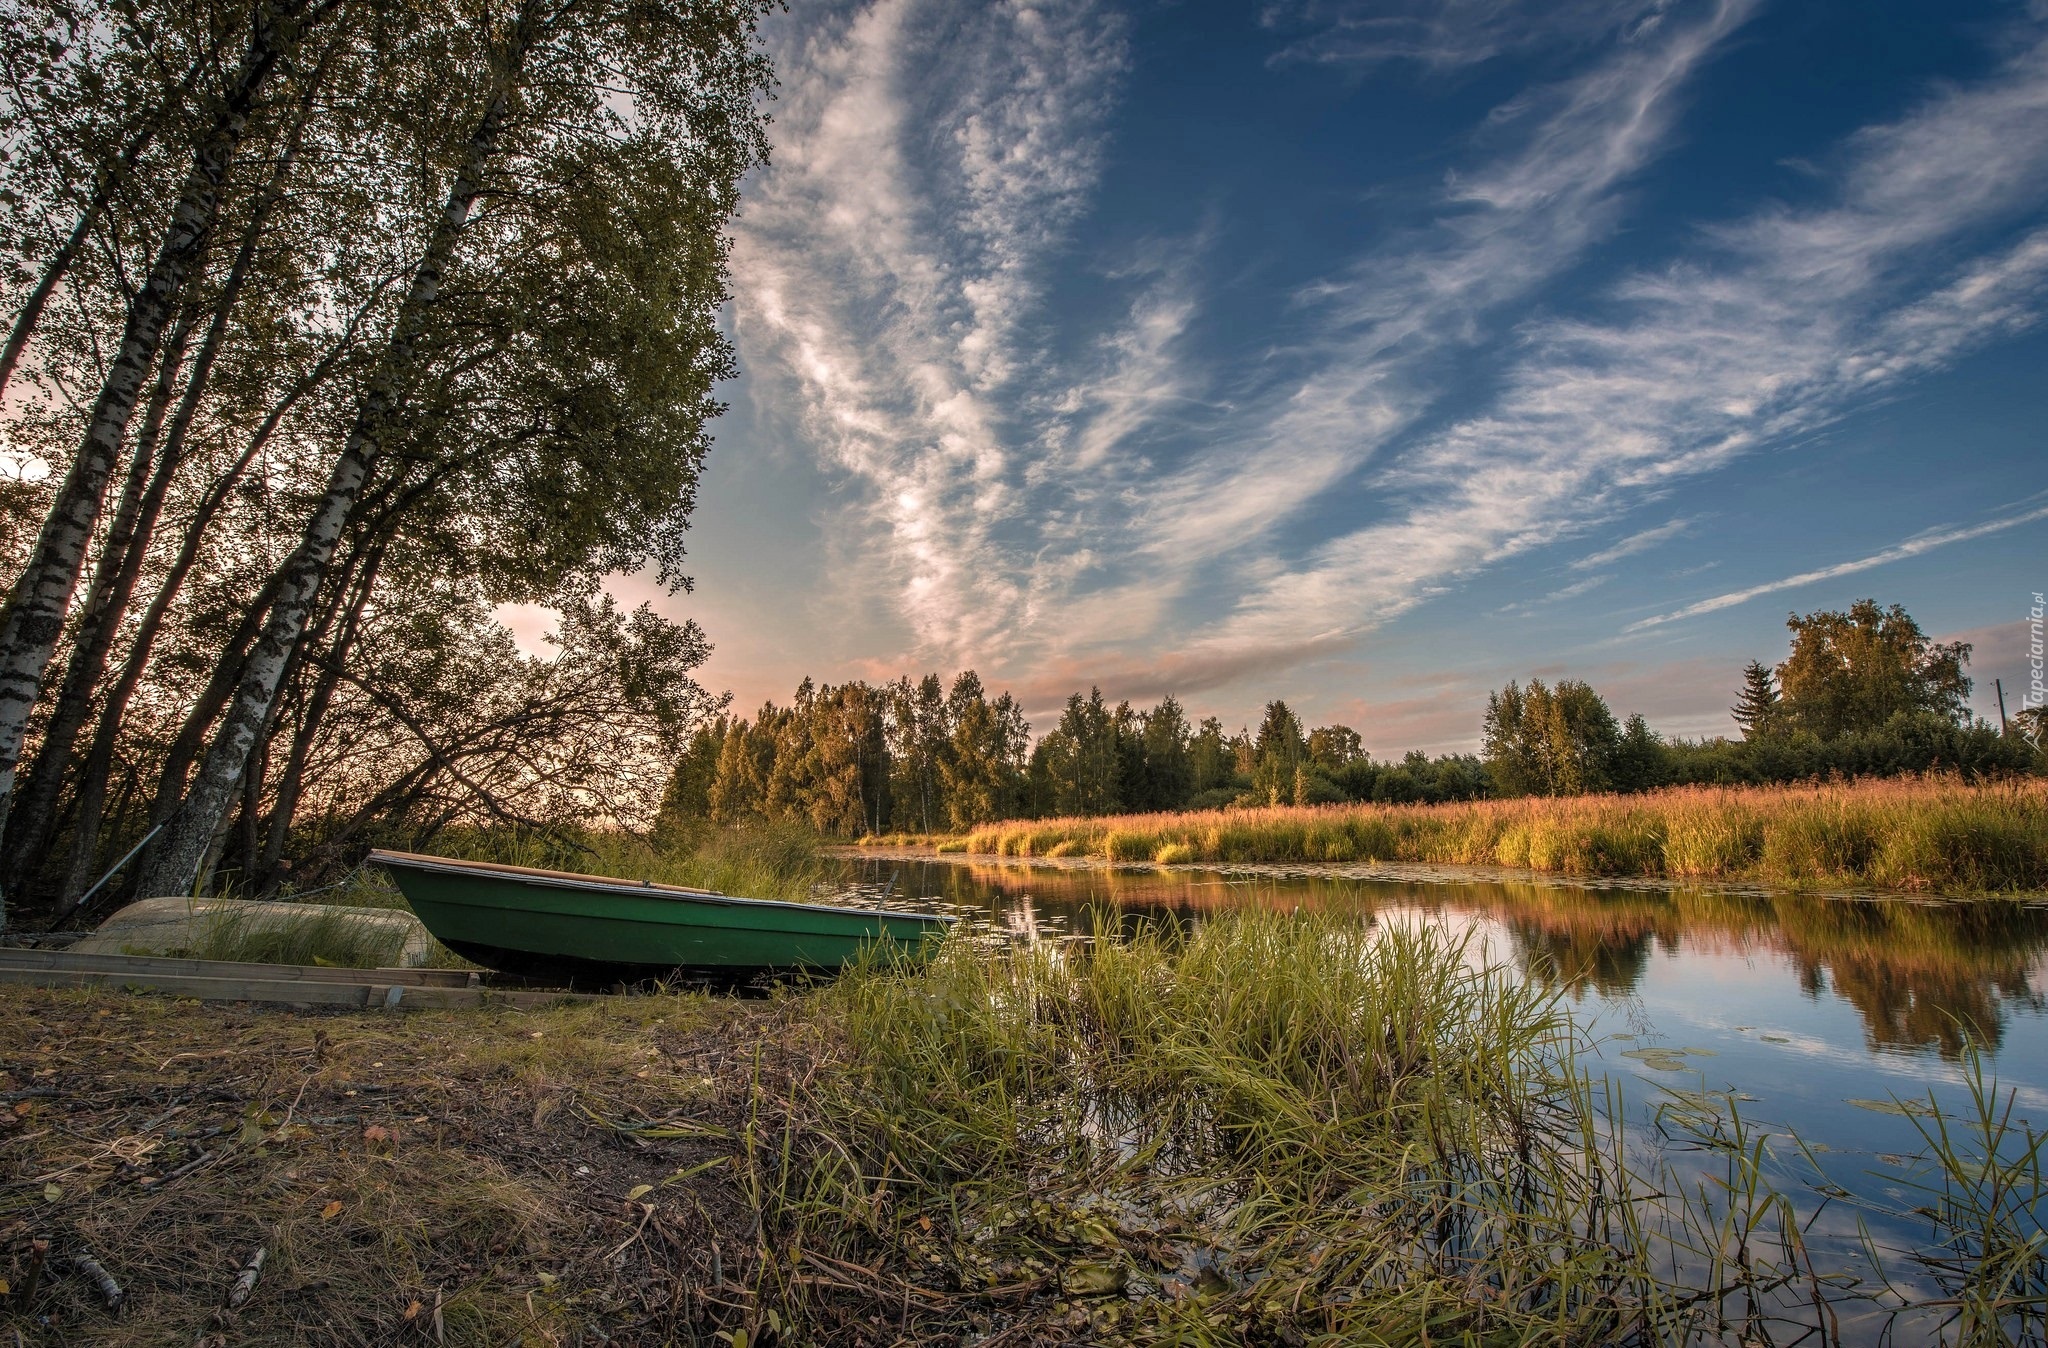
1787 318
1384 326
929 159
1898 552
1446 34
1633 544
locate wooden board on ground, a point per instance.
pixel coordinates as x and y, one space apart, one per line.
301 984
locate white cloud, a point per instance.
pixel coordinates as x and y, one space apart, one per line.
1447 34
1389 320
1790 319
1633 544
929 158
1912 547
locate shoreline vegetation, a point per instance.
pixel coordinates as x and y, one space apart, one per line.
1927 835
1279 1128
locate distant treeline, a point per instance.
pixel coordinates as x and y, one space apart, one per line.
1862 693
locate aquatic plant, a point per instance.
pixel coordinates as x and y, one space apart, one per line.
1276 1128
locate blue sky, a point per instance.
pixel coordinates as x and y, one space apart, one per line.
1371 354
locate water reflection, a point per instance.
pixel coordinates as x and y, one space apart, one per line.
1922 978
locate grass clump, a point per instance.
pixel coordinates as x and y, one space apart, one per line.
340 939
1931 834
1277 1129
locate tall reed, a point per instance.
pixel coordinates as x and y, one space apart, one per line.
1930 834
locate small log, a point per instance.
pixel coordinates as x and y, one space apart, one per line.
246 1282
110 1291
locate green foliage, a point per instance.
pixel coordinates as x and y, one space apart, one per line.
1911 742
1277 753
1545 741
1853 672
1079 762
1758 709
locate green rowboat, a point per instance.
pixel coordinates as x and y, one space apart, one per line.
591 931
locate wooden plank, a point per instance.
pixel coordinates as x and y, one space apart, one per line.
313 992
164 966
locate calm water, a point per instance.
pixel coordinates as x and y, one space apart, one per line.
1816 1013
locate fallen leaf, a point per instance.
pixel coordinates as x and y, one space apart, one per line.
639 1191
331 1211
377 1132
925 1222
412 1312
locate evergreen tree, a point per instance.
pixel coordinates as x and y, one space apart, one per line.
1756 710
1279 749
687 799
984 766
1080 762
1639 758
1169 770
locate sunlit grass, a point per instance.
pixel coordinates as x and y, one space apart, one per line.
1929 834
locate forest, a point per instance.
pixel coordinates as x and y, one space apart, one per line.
1862 692
333 326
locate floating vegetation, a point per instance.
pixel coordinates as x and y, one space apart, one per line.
1920 1109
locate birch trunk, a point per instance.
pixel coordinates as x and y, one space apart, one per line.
106 599
106 182
113 587
172 864
35 613
292 783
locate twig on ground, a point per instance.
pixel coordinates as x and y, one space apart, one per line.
201 1159
110 1291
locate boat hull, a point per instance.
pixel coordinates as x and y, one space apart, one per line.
594 931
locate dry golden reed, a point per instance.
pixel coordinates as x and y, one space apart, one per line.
1922 834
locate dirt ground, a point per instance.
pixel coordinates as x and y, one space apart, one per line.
580 1174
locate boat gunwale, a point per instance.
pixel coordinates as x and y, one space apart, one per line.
614 885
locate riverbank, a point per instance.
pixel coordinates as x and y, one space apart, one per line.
1272 1129
1917 835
